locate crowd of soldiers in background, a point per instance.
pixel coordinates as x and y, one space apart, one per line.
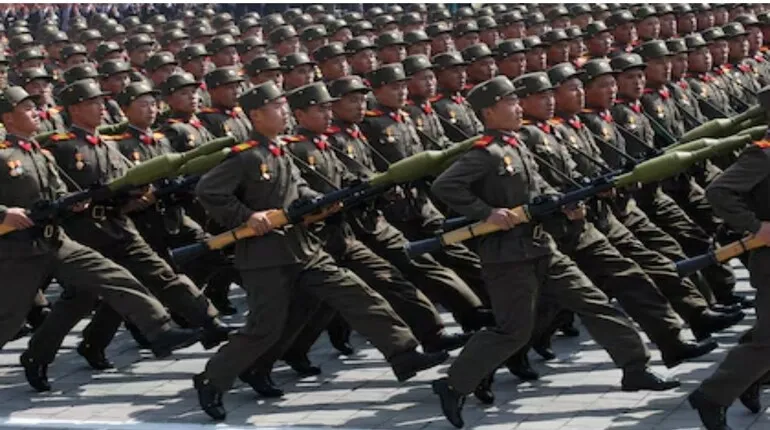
646 74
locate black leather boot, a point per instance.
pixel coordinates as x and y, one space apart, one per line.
751 398
36 373
712 415
302 365
518 365
407 364
262 383
451 402
209 397
646 379
686 350
339 335
94 356
173 339
484 391
214 333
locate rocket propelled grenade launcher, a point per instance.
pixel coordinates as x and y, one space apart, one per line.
717 256
418 166
163 167
653 170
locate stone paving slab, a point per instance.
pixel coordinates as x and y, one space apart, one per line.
580 390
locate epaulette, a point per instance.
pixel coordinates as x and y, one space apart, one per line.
245 146
764 143
332 130
173 121
526 122
588 110
436 98
483 141
237 109
5 145
556 120
58 137
158 135
208 110
295 138
374 112
56 109
123 136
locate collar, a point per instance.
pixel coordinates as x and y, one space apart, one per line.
663 92
275 147
573 121
86 135
545 126
634 105
319 140
26 144
506 136
144 136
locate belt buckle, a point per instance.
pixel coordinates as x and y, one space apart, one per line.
99 213
537 232
49 231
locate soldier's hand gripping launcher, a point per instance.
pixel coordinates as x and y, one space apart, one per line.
652 170
165 166
418 166
718 256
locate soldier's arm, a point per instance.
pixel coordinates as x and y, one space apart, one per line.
304 190
453 186
727 193
216 191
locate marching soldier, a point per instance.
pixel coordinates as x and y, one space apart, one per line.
274 265
481 64
224 117
114 76
34 253
739 196
422 88
183 128
707 89
742 73
517 262
194 59
37 82
455 113
511 58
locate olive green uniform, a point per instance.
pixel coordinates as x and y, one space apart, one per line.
739 197
223 122
456 115
392 137
519 262
711 96
33 256
428 124
88 160
283 263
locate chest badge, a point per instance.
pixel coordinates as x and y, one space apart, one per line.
452 117
351 153
15 169
660 111
419 123
389 135
137 157
311 161
508 161
606 133
191 141
264 170
79 163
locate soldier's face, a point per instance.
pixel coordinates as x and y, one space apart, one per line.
721 16
288 46
271 119
350 107
720 52
3 76
466 40
453 78
342 35
558 53
576 48
705 20
335 68
116 83
364 61
184 100
625 33
75 60
602 92
738 47
536 60
226 95
649 28
583 20
505 114
514 65
392 54
88 113
540 105
143 111
315 118
658 71
24 119
667 26
756 39
140 55
631 84
197 67
570 97
678 65
442 43
482 70
516 30
601 44
38 87
392 95
227 57
162 73
422 84
700 60
421 48
299 76
687 23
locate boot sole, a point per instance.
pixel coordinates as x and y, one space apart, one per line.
677 362
167 352
409 374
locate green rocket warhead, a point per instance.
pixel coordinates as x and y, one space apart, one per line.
111 129
166 165
721 127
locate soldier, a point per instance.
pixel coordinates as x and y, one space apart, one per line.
739 197
35 252
224 117
139 48
455 113
481 64
114 77
274 265
284 40
648 23
512 25
525 256
720 53
392 136
667 20
194 59
174 40
297 70
318 164
622 24
87 159
637 128
599 40
183 128
488 31
361 56
558 50
440 34
465 34
339 31
756 39
160 66
707 89
37 82
537 59
739 69
332 61
680 89
422 88
418 43
391 48
511 58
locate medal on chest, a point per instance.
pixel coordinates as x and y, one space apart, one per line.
660 111
311 161
631 123
15 169
508 162
79 163
351 153
605 133
389 135
191 141
137 157
452 117
264 171
419 123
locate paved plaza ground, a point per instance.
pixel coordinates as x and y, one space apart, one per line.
578 390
